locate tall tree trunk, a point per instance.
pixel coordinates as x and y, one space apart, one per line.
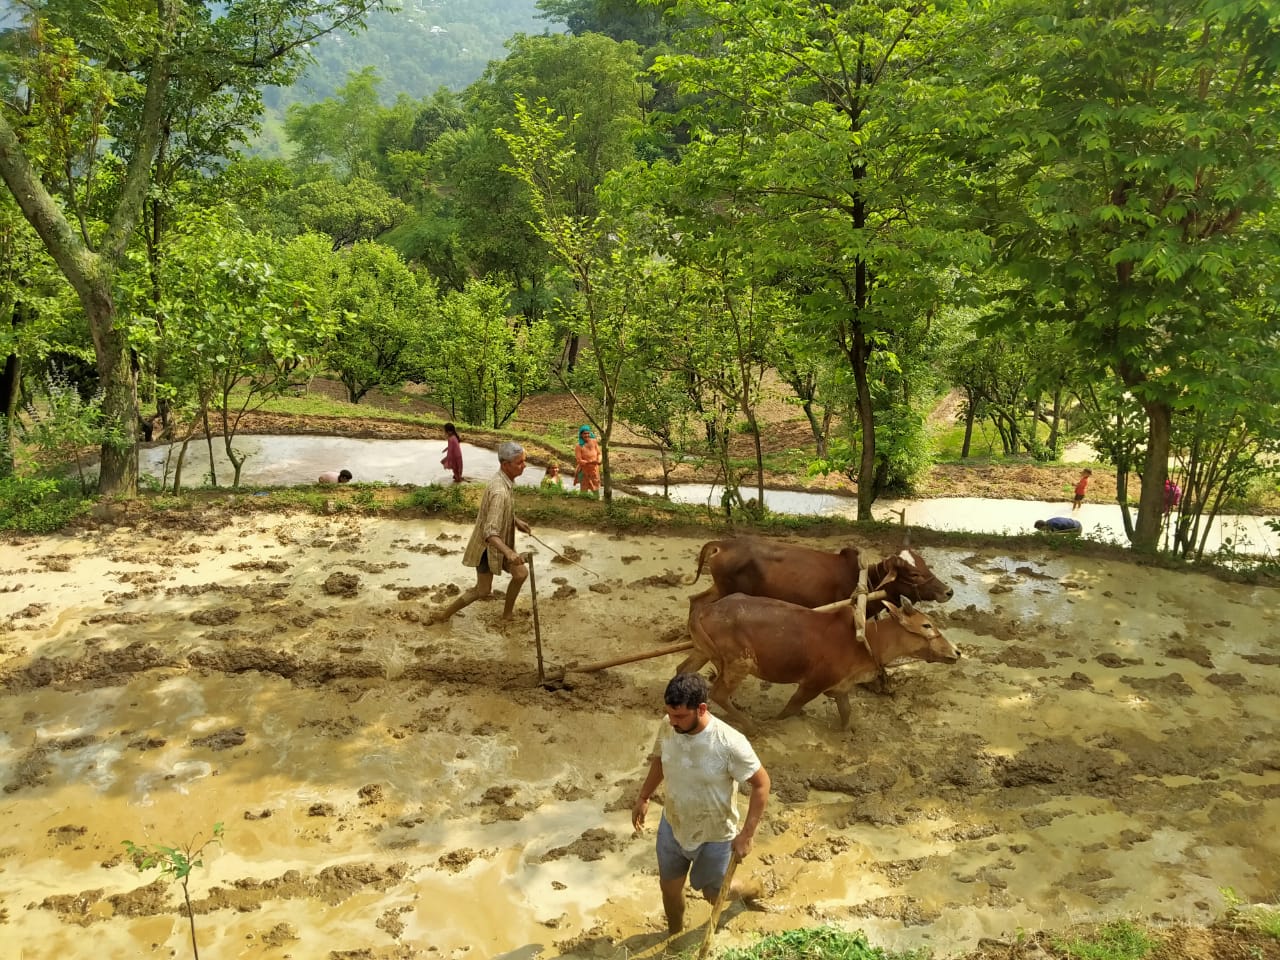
1155 470
10 381
119 470
970 414
866 423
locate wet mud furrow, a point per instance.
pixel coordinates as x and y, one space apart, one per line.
392 787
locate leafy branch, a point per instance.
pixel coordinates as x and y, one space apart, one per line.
176 863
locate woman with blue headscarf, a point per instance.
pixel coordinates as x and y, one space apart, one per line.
587 476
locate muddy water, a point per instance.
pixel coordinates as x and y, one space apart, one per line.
1101 521
1105 747
292 460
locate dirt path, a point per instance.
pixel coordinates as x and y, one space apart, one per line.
1105 748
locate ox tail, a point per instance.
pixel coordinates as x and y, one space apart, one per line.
709 550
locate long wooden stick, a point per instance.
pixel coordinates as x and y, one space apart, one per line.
718 906
630 658
537 627
618 661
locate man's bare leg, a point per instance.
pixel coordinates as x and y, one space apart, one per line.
673 903
482 589
519 574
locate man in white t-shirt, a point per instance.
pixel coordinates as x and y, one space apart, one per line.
702 759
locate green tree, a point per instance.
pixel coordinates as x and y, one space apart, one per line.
483 361
1131 150
90 70
814 136
383 312
359 209
607 270
236 329
595 84
339 131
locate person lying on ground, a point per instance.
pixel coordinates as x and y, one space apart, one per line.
1059 525
335 476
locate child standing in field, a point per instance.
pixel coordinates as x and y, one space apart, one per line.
1081 484
452 452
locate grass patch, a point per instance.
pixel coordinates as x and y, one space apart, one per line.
817 943
1266 920
1118 940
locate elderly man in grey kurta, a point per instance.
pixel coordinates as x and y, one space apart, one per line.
492 547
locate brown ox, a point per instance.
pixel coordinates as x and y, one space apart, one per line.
810 578
818 649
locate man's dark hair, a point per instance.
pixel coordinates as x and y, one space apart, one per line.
344 476
687 690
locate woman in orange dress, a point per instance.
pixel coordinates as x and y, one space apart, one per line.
587 476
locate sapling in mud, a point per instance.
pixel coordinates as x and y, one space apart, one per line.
176 863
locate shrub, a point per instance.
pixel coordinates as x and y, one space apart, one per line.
45 505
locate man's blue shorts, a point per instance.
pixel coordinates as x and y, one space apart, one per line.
706 863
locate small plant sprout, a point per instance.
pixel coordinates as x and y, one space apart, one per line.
176 863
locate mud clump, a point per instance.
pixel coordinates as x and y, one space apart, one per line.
215 616
99 669
457 860
143 902
592 845
222 740
570 554
273 566
1173 685
279 935
341 585
370 794
67 833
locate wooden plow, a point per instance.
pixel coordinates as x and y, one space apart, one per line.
557 681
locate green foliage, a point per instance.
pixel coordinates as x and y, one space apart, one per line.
1262 918
176 863
1132 190
358 209
483 362
58 427
1118 940
38 505
232 322
384 313
816 943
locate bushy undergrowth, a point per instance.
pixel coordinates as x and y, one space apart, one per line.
31 505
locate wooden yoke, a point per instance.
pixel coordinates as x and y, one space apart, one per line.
861 596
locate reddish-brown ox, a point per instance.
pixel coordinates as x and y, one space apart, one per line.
810 578
817 649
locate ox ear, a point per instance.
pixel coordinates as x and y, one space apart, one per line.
907 606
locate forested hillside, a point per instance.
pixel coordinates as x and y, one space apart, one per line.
416 49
